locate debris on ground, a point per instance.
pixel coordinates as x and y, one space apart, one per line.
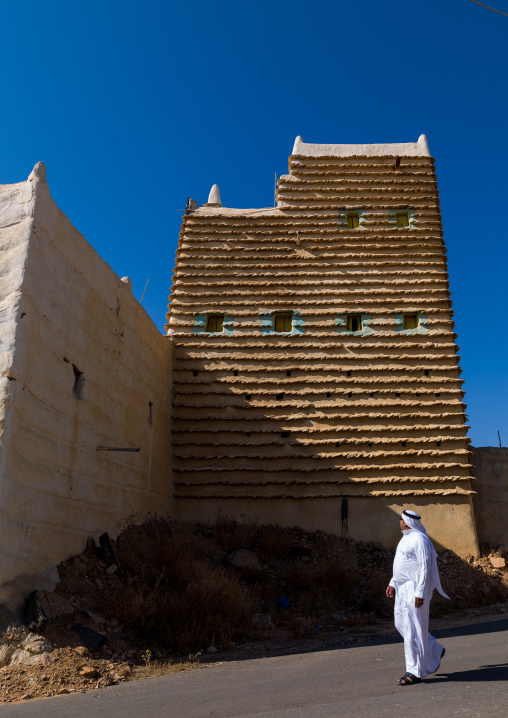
169 597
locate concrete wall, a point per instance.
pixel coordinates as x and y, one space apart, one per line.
491 500
82 367
449 522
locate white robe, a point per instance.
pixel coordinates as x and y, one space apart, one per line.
415 574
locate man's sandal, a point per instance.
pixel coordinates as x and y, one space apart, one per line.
408 680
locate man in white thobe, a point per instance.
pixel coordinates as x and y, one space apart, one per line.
415 576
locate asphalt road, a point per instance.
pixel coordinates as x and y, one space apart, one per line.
346 683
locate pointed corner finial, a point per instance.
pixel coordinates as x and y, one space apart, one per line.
423 144
297 145
38 171
214 197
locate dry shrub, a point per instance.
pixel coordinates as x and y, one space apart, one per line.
321 588
373 598
232 535
213 609
275 543
177 600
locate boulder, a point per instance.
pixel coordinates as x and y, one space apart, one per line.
497 561
244 560
6 651
36 645
89 638
43 607
19 645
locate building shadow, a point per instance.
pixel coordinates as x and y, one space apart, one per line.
272 649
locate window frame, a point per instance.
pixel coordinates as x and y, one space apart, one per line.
404 213
353 215
349 320
284 316
217 317
410 315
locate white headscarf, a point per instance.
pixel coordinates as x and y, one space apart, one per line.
412 519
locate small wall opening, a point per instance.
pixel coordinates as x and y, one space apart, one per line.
215 323
353 220
354 322
283 322
411 321
150 413
402 219
79 383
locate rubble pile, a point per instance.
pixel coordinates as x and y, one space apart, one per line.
109 618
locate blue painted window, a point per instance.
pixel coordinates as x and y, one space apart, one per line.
215 323
283 321
353 220
402 219
411 321
354 322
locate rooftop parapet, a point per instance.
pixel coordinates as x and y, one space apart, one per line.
398 149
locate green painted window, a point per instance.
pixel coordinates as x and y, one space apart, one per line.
283 321
411 321
354 322
353 220
402 219
214 323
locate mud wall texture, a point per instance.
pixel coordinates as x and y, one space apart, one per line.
491 501
83 370
286 425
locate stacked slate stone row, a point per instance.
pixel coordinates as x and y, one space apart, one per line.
319 412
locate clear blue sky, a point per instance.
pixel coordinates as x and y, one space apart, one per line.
135 106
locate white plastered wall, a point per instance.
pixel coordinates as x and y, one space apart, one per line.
62 306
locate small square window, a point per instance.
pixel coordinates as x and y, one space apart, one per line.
402 219
354 322
353 220
411 321
283 322
215 323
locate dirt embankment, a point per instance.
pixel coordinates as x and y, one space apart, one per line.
182 596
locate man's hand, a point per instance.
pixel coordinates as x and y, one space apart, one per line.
390 592
419 602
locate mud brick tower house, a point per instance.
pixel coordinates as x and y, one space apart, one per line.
316 380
